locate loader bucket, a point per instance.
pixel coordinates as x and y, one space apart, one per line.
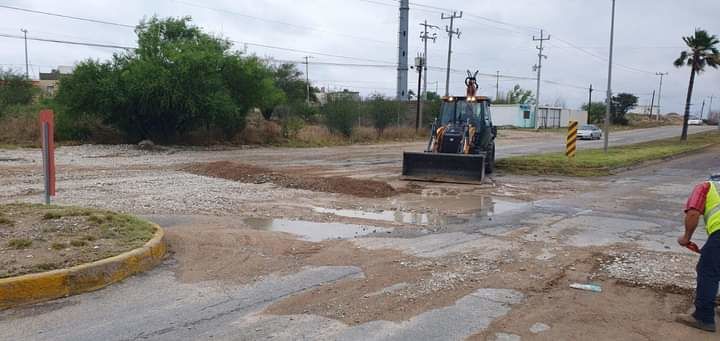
442 167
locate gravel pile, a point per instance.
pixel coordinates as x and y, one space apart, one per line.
661 270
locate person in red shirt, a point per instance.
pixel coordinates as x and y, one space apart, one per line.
708 267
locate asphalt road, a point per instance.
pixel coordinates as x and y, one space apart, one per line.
509 148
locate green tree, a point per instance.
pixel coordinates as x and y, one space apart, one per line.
340 115
14 90
517 95
291 81
382 111
703 51
620 105
179 79
596 111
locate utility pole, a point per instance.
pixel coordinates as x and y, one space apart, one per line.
538 68
307 79
27 65
402 70
425 36
661 74
450 31
497 85
419 64
652 102
590 98
609 83
702 110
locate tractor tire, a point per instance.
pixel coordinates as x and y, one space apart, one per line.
490 160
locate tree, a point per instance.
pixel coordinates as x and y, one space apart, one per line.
516 96
340 114
703 51
596 111
383 111
287 79
14 90
620 105
179 79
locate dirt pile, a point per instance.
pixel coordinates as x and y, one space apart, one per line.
259 175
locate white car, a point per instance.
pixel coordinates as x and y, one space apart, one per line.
694 121
589 132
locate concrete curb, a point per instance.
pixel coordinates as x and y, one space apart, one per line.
33 288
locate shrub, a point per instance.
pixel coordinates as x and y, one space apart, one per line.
383 111
340 115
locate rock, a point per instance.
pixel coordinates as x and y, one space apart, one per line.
506 337
146 145
539 328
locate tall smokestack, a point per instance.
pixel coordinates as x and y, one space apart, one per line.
402 74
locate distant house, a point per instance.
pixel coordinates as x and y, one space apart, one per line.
48 82
325 96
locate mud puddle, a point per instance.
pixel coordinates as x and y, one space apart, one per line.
312 231
475 209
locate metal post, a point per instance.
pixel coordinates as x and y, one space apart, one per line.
46 159
451 32
538 68
609 83
27 65
652 102
418 116
661 74
497 85
307 79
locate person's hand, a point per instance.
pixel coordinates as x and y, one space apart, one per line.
683 240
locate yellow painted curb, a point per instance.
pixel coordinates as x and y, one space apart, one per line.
54 284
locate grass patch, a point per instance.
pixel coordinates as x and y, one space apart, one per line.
126 228
58 246
78 243
57 213
5 220
19 243
594 162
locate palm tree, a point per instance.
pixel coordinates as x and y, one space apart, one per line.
703 51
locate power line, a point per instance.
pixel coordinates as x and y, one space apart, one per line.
67 16
278 22
14 36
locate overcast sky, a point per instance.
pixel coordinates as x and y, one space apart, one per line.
648 39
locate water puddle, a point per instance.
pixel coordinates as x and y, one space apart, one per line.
478 207
312 231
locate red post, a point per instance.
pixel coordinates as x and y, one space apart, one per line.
47 129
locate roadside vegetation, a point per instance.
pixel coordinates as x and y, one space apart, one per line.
36 238
154 93
595 162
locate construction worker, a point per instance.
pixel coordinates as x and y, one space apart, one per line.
705 201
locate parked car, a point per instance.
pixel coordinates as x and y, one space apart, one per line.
695 121
590 132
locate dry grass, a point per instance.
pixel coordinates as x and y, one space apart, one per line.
19 131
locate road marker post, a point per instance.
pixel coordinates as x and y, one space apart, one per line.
571 140
47 128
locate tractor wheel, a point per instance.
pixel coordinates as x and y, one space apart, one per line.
490 160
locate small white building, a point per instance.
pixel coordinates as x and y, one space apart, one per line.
523 116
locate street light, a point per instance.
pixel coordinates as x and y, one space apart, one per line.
27 68
609 84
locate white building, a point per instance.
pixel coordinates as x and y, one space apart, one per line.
523 116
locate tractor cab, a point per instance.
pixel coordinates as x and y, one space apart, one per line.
464 110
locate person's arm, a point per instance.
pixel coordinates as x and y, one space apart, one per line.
694 208
692 218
